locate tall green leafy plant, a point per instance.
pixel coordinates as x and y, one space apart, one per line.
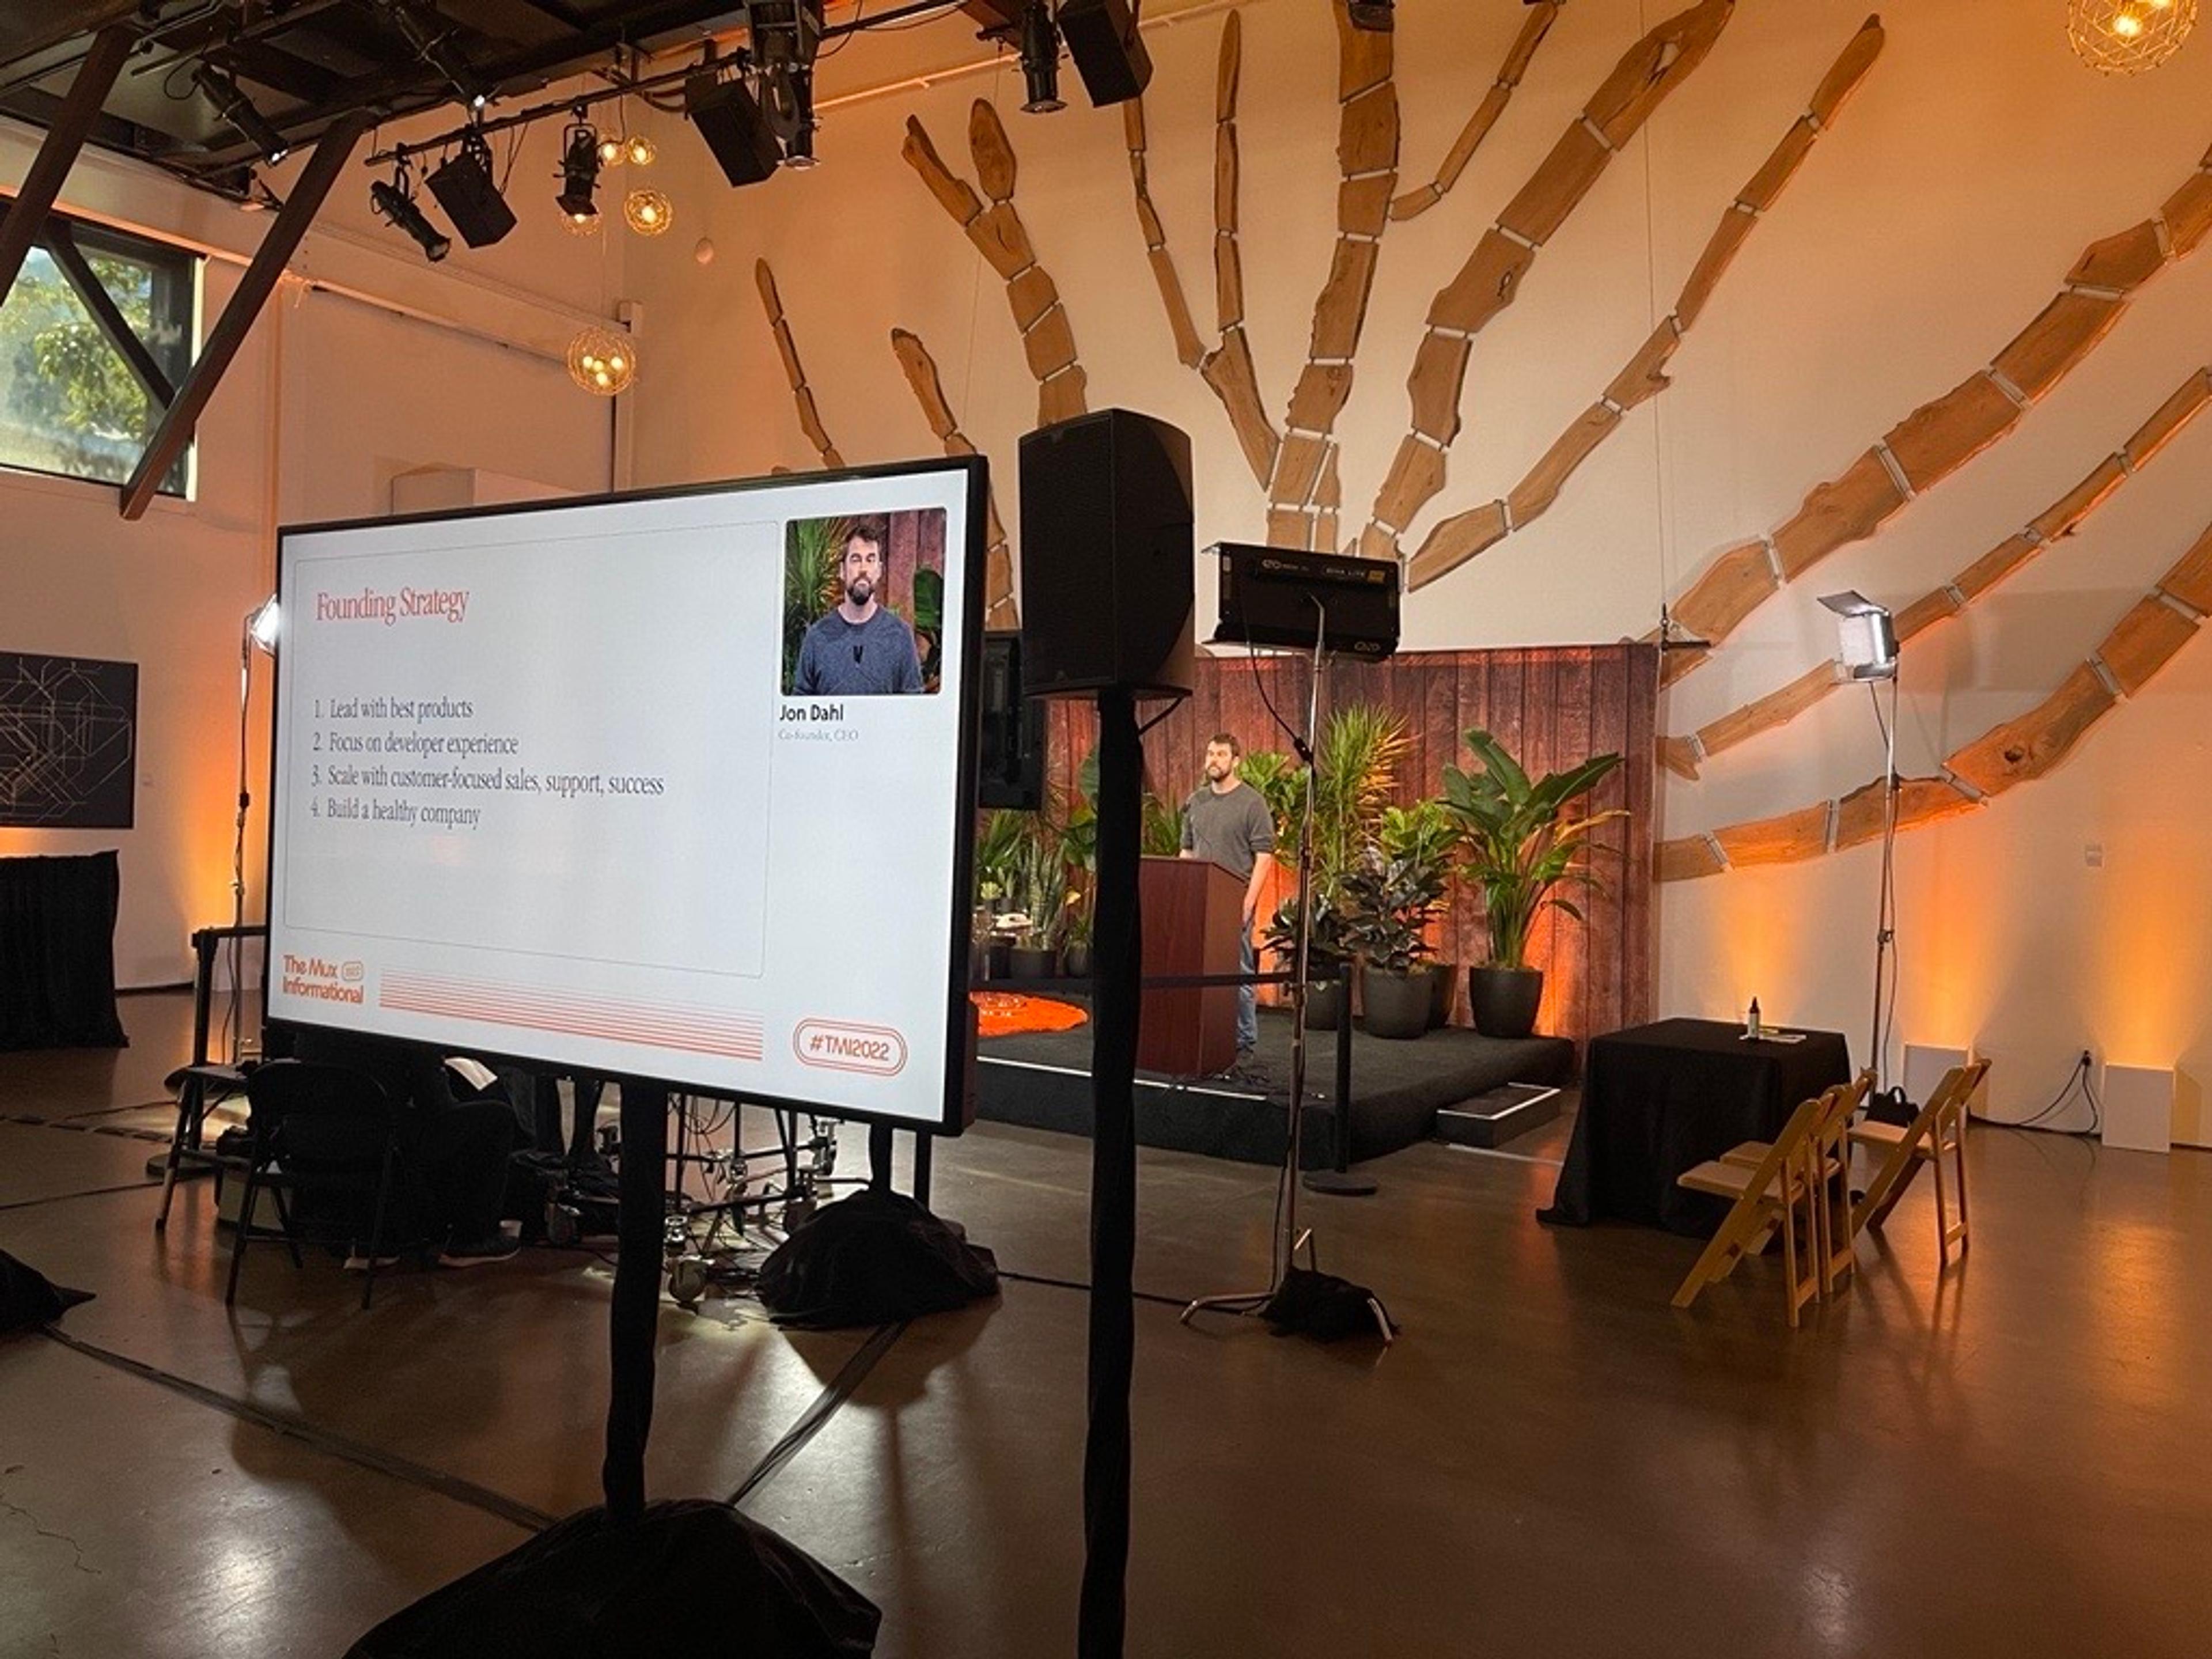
813 578
1523 840
1355 768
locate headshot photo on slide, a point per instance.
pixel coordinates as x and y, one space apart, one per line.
864 604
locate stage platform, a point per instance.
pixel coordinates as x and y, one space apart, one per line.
1042 1080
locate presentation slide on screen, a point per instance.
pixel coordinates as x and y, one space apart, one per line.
666 787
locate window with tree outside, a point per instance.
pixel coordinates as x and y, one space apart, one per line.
98 331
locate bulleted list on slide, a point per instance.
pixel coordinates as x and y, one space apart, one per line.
481 738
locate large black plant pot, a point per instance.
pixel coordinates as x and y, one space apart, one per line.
1444 982
1034 962
1505 1000
1324 1005
1396 1005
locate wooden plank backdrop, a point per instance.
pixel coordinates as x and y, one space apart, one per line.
1552 706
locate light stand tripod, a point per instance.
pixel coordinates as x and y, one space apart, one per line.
1884 939
1288 1239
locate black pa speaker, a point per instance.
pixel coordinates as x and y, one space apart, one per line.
1106 557
1109 54
465 188
736 128
1009 760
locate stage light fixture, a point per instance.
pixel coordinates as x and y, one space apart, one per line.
1868 633
580 171
236 108
394 202
263 623
431 35
1376 17
1041 60
467 189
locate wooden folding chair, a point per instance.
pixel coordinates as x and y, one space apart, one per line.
1936 1134
1777 1192
1836 1251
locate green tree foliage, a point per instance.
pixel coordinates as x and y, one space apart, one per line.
67 402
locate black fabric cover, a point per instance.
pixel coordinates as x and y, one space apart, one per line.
28 1299
871 1259
691 1578
57 953
1318 1304
1659 1099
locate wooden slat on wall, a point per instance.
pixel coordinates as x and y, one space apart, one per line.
1553 706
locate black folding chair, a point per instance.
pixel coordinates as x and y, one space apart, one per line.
322 1132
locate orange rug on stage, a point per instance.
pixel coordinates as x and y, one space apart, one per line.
1005 1013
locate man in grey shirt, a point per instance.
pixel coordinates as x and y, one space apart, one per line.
857 648
1227 821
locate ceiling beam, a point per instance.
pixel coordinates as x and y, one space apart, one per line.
72 124
993 14
332 151
60 241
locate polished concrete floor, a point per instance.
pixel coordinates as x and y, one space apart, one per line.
2009 1458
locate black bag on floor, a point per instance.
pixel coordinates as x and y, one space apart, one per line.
871 1259
28 1298
691 1578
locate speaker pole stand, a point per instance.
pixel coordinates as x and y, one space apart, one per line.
1340 1183
1117 977
1289 1238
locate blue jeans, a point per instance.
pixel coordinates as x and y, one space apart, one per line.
1248 999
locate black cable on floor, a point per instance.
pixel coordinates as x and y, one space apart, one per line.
1078 1285
322 1440
89 1192
839 1390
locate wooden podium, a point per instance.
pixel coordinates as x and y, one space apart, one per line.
1193 915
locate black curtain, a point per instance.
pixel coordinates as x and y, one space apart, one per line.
57 953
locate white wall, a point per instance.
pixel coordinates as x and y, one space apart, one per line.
334 393
1941 213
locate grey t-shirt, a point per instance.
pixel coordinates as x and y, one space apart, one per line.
838 658
1230 830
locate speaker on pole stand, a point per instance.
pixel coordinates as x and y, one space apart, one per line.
1106 555
1322 602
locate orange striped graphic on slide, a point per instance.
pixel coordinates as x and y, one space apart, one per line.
738 1037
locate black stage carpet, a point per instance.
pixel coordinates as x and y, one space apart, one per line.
1042 1080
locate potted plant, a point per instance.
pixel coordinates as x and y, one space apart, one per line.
998 843
1426 835
1328 953
1522 843
1388 903
1038 891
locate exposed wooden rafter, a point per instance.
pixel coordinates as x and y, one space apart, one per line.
72 124
332 150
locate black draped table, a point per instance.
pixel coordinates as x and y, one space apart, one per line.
1661 1099
57 953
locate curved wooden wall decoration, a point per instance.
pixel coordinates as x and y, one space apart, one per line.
1542 15
1683 756
1490 280
1367 164
1940 437
810 417
1000 609
1227 368
1464 536
997 231
2017 751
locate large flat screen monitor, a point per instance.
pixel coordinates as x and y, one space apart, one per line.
676 786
